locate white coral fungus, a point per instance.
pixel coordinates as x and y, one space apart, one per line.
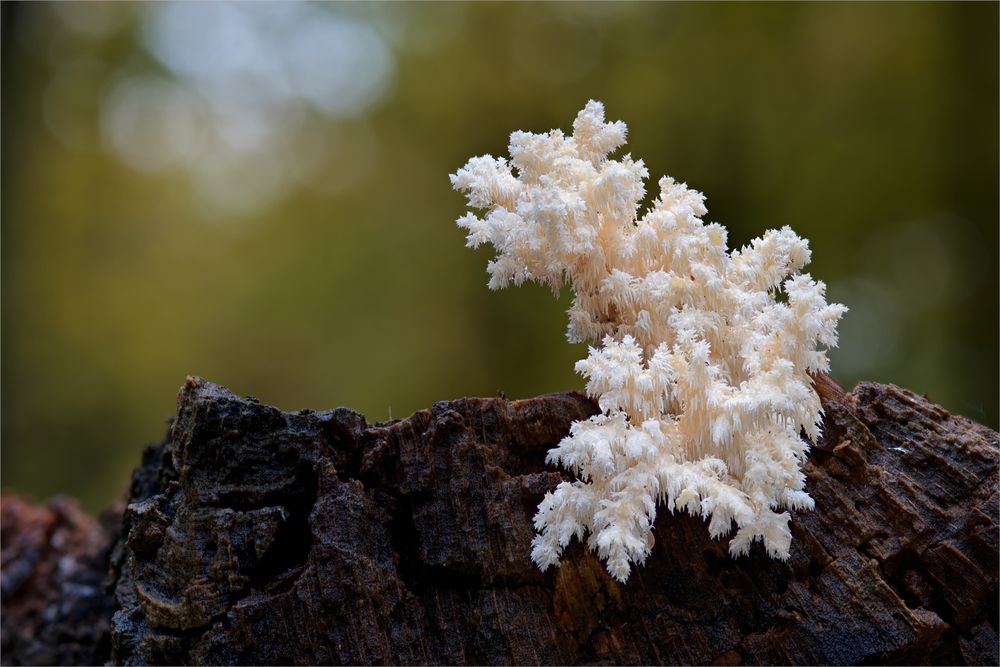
701 373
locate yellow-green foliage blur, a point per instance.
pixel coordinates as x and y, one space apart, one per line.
258 194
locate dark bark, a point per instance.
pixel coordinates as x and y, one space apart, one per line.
256 536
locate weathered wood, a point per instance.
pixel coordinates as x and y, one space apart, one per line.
256 536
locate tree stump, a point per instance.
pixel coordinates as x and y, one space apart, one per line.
257 536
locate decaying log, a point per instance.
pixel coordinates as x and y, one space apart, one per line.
256 536
54 558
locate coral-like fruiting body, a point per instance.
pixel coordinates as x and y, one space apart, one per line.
701 372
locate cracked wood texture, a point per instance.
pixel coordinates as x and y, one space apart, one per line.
257 536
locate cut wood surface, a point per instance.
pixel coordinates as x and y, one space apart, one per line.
257 536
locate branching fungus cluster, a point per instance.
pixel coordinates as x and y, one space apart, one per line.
700 370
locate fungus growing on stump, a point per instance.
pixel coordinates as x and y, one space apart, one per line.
702 373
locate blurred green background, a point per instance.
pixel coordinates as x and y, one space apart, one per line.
258 194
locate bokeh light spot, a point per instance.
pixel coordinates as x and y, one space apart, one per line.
152 123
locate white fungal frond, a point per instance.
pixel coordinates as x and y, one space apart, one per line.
701 373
